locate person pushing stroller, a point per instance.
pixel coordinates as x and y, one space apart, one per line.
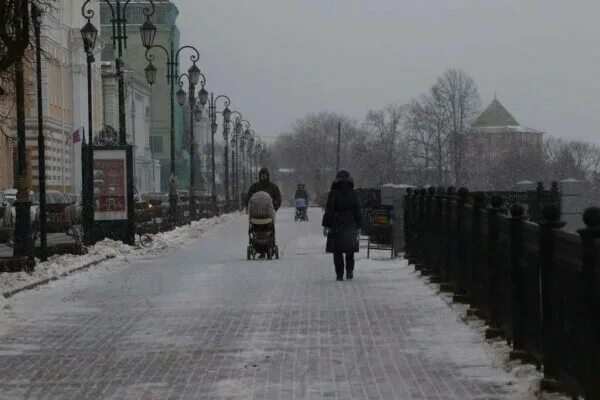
301 203
262 202
264 184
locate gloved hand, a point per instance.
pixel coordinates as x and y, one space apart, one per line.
325 231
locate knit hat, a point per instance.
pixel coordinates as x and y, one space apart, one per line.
343 174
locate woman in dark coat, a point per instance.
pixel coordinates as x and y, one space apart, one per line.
341 221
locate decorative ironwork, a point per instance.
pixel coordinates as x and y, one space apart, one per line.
107 137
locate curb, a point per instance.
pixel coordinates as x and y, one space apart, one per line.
54 278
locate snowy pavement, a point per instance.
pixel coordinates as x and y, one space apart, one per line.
195 320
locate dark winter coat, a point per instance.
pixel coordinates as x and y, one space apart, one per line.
301 194
265 186
342 218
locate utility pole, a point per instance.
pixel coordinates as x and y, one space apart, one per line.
339 138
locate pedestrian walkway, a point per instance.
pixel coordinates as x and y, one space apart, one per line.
204 323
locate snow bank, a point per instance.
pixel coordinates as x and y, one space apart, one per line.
58 266
527 378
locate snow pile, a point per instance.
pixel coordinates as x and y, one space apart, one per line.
181 236
62 265
527 377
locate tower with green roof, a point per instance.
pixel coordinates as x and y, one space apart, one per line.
496 132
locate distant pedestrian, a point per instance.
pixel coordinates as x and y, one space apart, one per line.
340 224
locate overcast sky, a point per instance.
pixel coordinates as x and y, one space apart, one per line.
279 59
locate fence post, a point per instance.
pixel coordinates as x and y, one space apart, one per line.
517 294
446 251
420 229
475 266
591 270
438 235
460 291
407 224
491 279
428 236
549 223
414 241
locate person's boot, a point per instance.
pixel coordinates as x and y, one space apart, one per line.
339 278
349 266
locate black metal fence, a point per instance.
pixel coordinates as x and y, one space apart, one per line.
533 283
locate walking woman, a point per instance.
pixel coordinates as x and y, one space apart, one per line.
341 222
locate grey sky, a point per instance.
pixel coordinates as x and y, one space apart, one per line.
279 59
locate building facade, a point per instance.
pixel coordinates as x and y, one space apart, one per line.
134 57
64 98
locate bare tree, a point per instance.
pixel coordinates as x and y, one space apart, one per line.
14 31
310 148
16 43
461 100
386 127
427 124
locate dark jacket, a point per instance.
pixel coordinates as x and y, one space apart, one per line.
301 194
265 186
342 217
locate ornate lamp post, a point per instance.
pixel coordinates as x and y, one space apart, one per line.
89 33
247 142
212 115
240 142
237 128
181 96
250 146
172 57
118 9
257 149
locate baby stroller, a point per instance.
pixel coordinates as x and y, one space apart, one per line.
261 233
301 206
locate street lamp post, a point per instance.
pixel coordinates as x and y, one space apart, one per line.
89 34
212 115
226 121
257 146
118 9
250 145
239 148
244 144
237 127
36 14
172 56
181 95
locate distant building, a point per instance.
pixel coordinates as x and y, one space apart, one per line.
495 133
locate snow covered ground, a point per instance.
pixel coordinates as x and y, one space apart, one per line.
59 266
190 318
526 377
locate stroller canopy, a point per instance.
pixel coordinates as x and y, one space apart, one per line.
260 206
